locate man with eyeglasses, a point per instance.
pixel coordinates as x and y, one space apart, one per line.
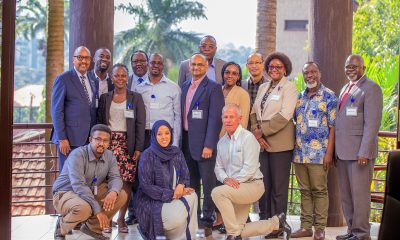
207 47
139 64
73 106
89 189
99 74
356 144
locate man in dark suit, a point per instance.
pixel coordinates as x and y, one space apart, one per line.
202 103
358 120
139 64
207 47
73 107
99 74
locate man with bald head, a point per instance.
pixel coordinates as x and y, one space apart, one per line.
73 106
99 74
356 144
207 47
202 103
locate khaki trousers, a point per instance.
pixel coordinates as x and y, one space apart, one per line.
313 183
234 205
174 217
75 210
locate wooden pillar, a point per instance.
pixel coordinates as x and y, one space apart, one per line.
8 8
330 43
91 25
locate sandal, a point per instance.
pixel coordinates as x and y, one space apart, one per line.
122 229
107 230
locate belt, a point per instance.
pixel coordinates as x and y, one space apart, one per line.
252 180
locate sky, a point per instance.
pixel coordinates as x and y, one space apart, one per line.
229 21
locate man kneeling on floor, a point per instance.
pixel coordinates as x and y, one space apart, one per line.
89 187
237 166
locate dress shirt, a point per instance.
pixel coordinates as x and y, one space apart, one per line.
103 85
135 81
163 102
80 169
211 71
87 83
189 97
253 89
312 142
238 157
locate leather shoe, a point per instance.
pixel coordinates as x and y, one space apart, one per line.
284 226
94 235
57 232
231 237
207 232
274 234
359 238
344 236
319 234
300 233
130 220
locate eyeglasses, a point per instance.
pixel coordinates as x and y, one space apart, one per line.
254 63
81 58
139 61
351 67
197 65
231 73
99 140
277 67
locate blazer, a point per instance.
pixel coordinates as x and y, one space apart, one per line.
93 78
185 75
276 119
204 132
357 136
135 126
71 113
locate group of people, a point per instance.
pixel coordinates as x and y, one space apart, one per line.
144 143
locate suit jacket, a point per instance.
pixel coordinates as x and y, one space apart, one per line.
135 127
70 111
276 119
204 132
357 136
92 77
184 71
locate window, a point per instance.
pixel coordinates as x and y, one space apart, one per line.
296 25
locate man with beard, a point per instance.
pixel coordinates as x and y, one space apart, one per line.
89 187
99 75
207 47
73 106
139 64
356 144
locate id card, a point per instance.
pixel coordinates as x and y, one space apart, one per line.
97 103
154 105
95 190
197 114
313 123
129 114
351 111
275 97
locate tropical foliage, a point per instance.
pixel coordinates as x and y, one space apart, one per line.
156 29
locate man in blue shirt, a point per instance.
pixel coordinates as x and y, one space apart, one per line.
89 187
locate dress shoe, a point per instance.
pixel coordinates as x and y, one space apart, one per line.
207 232
222 229
300 233
319 234
94 235
344 236
231 237
359 238
131 220
274 234
284 226
57 232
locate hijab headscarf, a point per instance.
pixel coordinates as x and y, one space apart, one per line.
165 153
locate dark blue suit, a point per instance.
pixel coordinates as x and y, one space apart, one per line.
203 133
71 113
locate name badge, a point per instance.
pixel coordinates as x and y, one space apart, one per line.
351 111
154 105
313 123
197 114
129 114
275 97
97 103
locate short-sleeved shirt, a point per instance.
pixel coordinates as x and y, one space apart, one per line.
314 116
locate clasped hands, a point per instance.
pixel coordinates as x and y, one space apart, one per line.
259 136
108 205
181 191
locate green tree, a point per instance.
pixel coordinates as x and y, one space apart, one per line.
376 28
156 29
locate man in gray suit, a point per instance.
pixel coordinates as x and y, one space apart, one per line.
207 47
357 124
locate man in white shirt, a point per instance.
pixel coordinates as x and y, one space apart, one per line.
237 166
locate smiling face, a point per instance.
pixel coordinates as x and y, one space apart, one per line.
102 59
276 69
208 47
198 66
231 75
99 142
312 75
156 65
163 136
354 68
119 77
81 59
139 64
231 120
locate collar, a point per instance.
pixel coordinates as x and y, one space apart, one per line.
262 80
97 77
355 82
235 135
91 156
319 92
197 82
213 63
147 80
135 77
80 74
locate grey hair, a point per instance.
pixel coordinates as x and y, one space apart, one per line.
234 106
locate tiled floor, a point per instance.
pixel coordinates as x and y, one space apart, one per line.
42 228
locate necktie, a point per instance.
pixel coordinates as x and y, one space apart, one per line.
345 95
84 88
140 80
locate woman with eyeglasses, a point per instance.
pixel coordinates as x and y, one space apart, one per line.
124 112
272 124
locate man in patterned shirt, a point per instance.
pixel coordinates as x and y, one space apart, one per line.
315 115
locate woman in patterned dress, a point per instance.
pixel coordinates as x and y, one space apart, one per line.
124 112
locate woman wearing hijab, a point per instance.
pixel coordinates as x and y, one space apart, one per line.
165 206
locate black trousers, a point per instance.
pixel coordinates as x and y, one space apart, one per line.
275 166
